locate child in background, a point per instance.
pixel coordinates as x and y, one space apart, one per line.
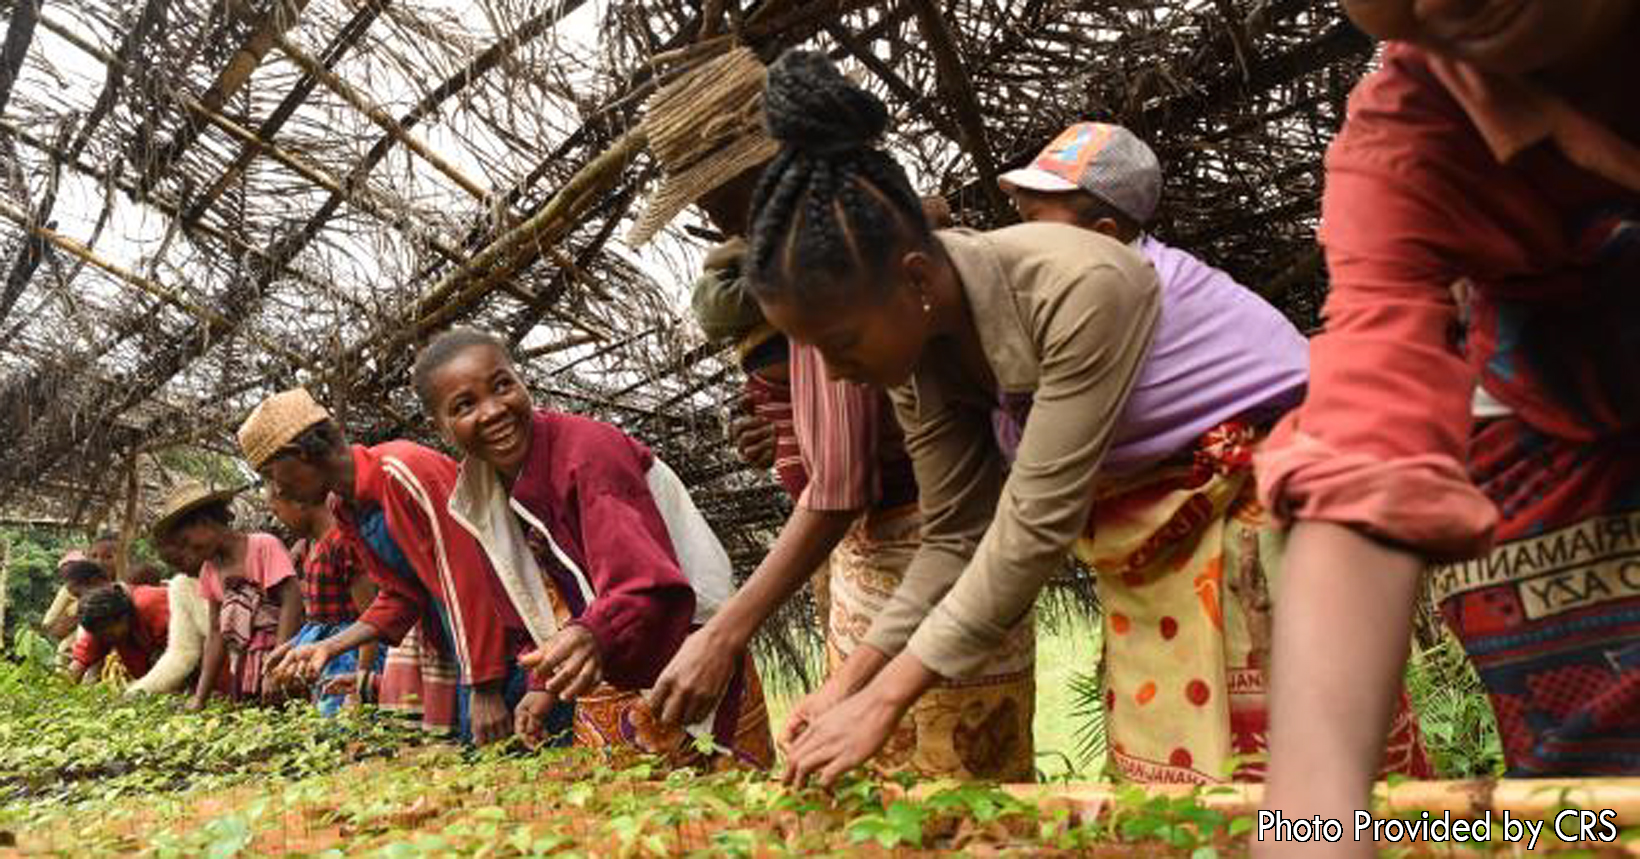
187 631
128 620
79 575
335 589
248 580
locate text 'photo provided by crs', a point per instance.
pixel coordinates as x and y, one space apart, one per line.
1571 825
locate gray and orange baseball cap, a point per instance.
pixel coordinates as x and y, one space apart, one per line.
1107 161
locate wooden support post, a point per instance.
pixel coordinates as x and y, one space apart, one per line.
128 522
5 580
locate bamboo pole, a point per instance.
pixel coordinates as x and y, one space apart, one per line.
244 62
1536 799
317 176
362 198
501 258
170 209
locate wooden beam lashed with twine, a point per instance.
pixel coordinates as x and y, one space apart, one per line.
362 104
1536 799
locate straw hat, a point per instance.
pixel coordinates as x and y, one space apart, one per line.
704 129
187 497
276 422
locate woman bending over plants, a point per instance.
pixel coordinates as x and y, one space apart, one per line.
390 504
965 327
246 578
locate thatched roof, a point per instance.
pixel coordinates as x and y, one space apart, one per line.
208 201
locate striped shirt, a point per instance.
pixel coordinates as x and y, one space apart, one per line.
772 401
850 440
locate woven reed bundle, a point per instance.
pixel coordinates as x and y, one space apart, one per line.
704 129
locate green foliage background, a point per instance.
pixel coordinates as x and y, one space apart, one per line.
32 572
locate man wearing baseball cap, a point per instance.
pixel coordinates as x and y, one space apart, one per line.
1216 343
1104 178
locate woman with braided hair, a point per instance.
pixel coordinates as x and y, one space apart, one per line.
961 325
838 451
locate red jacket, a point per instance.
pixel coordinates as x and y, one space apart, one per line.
587 483
411 484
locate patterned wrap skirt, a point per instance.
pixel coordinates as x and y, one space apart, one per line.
977 728
1551 616
612 718
420 682
1184 556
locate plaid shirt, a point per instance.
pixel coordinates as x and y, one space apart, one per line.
328 572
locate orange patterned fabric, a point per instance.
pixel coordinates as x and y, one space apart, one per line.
1184 554
975 729
609 717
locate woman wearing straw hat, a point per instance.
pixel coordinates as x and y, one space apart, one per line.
857 512
391 505
246 578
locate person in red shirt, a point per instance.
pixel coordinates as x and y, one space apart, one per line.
1474 405
129 620
335 588
391 506
599 548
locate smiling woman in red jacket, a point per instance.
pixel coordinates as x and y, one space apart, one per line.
389 504
598 546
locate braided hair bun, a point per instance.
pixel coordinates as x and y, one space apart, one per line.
831 211
811 107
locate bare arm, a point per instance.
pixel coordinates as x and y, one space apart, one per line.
211 665
1342 625
183 642
692 682
59 621
290 609
804 543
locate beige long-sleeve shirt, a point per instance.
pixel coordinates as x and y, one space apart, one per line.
1070 320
